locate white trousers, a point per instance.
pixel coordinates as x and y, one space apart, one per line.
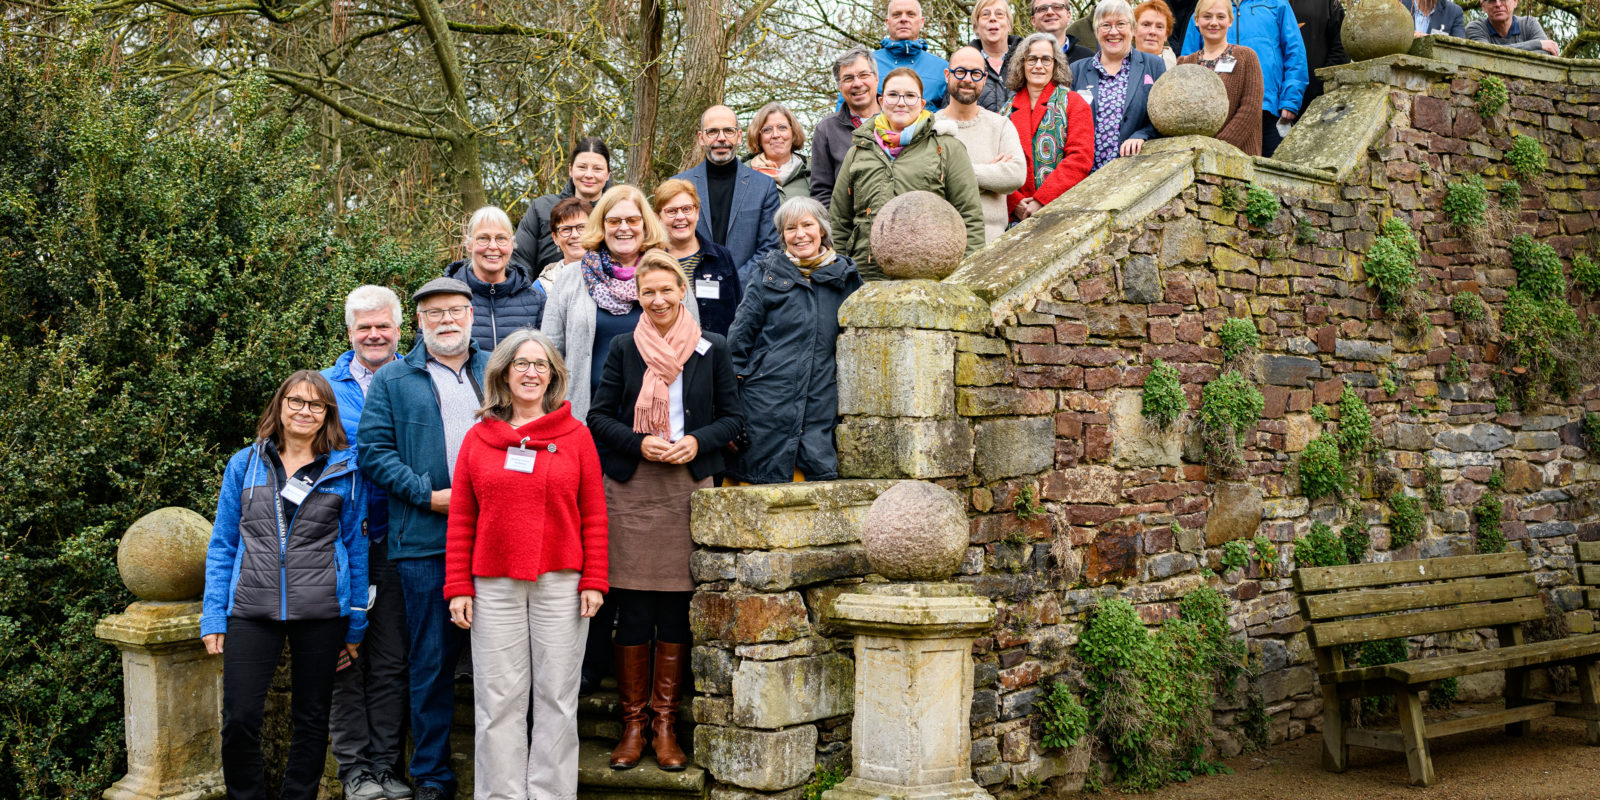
527 649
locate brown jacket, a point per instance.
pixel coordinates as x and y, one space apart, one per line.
1243 128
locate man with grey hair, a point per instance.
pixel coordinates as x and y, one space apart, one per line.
417 413
736 202
369 694
856 73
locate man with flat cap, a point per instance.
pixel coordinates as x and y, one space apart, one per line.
417 412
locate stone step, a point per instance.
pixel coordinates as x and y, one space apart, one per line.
598 781
600 716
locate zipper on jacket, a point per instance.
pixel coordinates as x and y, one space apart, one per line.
285 533
494 330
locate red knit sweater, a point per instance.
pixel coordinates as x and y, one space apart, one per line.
509 524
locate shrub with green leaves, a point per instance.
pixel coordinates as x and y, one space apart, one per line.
1319 413
1456 371
1497 480
1355 539
1591 430
1487 513
1586 274
1062 719
821 781
1491 96
1510 193
1433 484
1261 206
1231 403
1319 548
1391 263
1545 339
1355 425
1322 470
1163 400
1266 554
1526 158
1538 268
1235 555
1238 335
1405 519
1466 202
1468 307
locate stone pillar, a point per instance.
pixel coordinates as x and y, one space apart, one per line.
911 736
172 690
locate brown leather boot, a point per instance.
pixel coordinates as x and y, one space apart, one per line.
666 694
633 684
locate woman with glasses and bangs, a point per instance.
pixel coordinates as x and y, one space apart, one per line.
287 562
526 568
901 149
775 140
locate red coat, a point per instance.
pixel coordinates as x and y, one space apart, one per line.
509 524
1075 163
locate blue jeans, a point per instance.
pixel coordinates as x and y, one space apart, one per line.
436 644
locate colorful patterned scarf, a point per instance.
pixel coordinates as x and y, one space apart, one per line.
615 295
893 141
1050 137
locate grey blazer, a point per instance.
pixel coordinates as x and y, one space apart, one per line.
1445 16
751 231
1135 119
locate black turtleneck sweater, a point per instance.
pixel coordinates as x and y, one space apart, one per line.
719 184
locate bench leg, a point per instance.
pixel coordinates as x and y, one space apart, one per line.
1414 731
1516 695
1335 751
1589 692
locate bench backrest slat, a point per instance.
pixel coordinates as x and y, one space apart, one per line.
1416 623
1356 576
1589 551
1407 598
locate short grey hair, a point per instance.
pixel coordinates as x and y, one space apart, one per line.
483 216
797 208
371 298
1017 79
1107 8
851 56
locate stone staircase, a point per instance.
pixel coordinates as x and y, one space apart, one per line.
599 725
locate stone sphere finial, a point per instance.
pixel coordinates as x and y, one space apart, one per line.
915 531
162 557
918 235
1376 28
1188 100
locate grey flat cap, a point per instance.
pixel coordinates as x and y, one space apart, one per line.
441 286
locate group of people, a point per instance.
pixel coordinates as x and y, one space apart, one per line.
517 485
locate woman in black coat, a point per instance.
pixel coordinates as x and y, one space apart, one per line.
667 405
783 342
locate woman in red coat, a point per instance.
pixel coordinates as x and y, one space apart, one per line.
525 567
1055 125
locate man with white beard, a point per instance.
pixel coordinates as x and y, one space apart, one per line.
417 412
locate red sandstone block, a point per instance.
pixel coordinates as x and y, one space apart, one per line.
1050 377
1068 425
1044 353
1097 378
1096 442
1031 334
1163 331
1277 398
1071 332
1093 289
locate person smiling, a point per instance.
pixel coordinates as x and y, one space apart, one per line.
1152 27
775 139
1239 70
1053 122
525 569
667 405
588 175
1117 83
505 296
991 26
708 265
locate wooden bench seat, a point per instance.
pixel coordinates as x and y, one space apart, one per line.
1360 603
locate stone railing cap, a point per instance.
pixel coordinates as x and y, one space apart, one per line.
921 304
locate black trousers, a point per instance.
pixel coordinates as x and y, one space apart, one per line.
644 617
1269 133
371 698
249 657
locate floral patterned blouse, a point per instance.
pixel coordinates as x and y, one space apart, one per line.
1111 100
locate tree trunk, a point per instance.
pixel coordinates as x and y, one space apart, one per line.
468 171
706 35
646 96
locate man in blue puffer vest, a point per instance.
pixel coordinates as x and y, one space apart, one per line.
367 722
904 48
1269 27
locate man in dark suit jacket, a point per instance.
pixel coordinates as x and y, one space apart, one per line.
736 202
1321 22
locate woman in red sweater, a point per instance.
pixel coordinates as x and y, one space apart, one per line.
1055 125
526 567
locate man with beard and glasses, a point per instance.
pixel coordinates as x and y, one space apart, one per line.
991 140
736 202
418 410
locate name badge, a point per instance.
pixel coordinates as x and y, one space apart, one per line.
707 289
703 346
1226 64
296 491
1087 93
520 458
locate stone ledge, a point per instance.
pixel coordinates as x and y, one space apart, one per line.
783 515
153 625
1334 134
920 304
1508 61
901 612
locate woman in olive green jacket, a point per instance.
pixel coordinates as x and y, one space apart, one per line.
902 149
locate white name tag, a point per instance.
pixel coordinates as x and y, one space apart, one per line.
520 459
296 491
707 289
1227 63
703 346
1087 94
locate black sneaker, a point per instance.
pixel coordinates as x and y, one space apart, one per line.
429 792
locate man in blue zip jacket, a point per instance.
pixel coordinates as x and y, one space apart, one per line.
417 411
367 722
1269 27
905 48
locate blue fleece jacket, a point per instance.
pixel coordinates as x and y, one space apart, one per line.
1270 28
224 555
347 390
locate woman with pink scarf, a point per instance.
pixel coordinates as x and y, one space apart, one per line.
666 406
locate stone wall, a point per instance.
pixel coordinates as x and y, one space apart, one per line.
1016 382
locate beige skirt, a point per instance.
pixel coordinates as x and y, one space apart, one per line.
650 542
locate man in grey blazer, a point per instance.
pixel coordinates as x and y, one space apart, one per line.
736 202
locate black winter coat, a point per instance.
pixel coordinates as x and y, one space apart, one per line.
500 308
535 249
782 344
995 96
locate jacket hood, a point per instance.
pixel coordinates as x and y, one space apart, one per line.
516 278
1012 40
905 47
539 433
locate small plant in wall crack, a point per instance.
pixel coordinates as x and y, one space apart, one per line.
1027 503
1491 96
1163 400
1586 274
1319 548
1355 426
1322 471
1466 203
1405 520
1527 159
1266 555
1510 193
1238 337
1229 407
1062 719
1235 555
1487 513
1261 206
1391 267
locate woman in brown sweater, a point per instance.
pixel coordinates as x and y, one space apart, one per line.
1239 70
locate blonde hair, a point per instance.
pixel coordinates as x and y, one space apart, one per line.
497 377
594 234
797 135
1201 5
659 261
978 8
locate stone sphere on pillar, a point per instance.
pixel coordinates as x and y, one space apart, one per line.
162 557
1376 28
1188 100
918 235
915 531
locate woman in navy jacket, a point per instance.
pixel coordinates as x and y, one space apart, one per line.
287 561
1117 83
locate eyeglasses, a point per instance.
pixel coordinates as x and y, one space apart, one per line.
771 129
484 240
1108 27
455 312
1049 8
974 75
678 211
720 133
617 222
522 365
1038 60
302 404
570 230
852 78
898 99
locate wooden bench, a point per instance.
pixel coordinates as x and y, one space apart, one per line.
1373 602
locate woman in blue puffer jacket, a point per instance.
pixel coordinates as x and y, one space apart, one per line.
287 561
